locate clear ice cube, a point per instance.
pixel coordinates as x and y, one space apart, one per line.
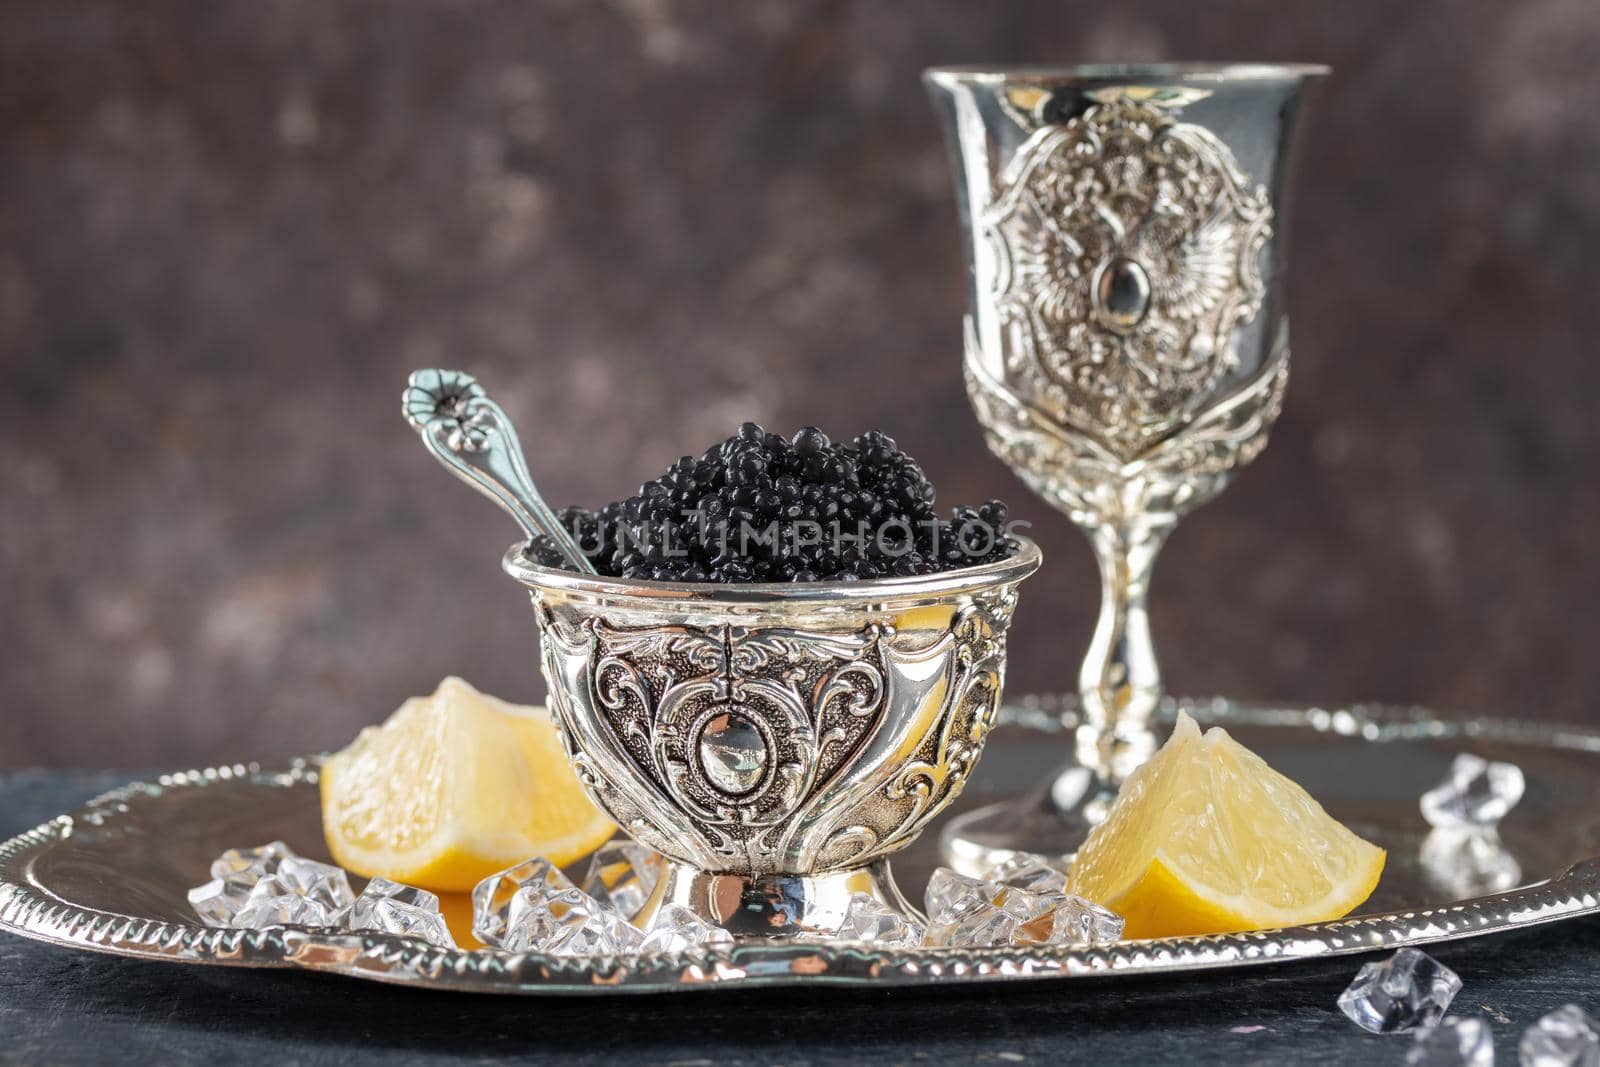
949 892
1060 919
365 913
676 929
1408 990
393 915
1034 912
868 920
962 912
1090 924
270 905
250 863
1476 796
528 922
233 875
1455 1042
323 882
494 897
1567 1037
299 891
623 874
217 902
1027 870
979 925
568 922
1001 909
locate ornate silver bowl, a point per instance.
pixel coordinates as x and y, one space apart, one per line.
776 742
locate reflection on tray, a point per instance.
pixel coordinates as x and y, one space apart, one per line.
1466 863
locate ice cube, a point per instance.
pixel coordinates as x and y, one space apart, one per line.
233 875
299 891
949 892
623 874
567 922
1408 990
250 864
973 912
962 912
676 929
528 922
362 915
1091 924
869 920
393 915
1027 870
270 905
980 925
492 898
1476 796
1066 920
323 882
1455 1042
217 902
1567 1037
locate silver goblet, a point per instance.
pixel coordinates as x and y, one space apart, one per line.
1126 345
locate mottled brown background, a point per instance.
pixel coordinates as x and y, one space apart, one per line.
229 229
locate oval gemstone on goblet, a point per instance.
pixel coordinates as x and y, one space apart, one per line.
733 754
1121 294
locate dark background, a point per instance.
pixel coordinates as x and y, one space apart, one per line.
229 229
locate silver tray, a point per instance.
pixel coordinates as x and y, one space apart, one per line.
112 876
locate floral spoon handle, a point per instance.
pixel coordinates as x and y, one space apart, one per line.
472 436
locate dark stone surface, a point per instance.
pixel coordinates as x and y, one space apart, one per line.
229 229
62 1006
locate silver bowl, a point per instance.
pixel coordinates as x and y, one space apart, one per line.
776 742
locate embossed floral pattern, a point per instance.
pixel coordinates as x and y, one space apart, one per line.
450 399
770 748
1127 247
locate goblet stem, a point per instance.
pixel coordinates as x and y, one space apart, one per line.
1119 687
1120 683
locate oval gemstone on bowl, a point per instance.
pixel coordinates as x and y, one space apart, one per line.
733 753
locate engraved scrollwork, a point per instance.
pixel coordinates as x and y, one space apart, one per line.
1094 485
1126 249
946 738
765 749
731 727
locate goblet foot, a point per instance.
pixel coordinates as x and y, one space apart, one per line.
1056 817
1052 821
774 907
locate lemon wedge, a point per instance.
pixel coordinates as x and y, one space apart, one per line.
454 787
1206 838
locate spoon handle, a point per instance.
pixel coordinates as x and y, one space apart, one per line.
472 436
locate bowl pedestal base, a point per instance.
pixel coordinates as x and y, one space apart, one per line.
774 907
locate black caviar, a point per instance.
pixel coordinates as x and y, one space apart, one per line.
760 507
